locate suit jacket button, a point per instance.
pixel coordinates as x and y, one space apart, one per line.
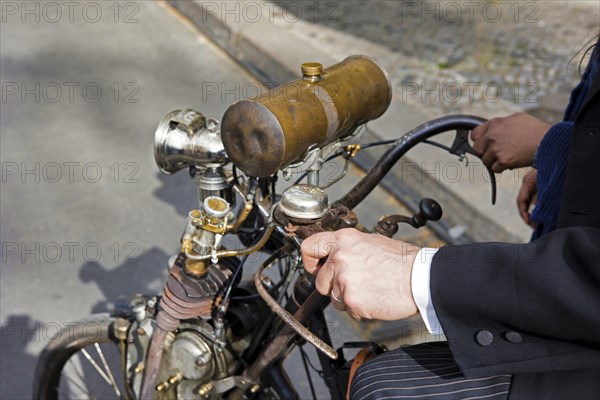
513 337
484 338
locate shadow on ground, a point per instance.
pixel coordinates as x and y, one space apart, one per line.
17 333
142 274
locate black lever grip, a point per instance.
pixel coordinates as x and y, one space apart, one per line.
429 210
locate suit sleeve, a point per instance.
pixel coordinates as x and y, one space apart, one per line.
521 308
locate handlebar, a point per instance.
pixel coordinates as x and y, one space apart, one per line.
413 137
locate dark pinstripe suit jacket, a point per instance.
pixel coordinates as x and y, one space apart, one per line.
533 310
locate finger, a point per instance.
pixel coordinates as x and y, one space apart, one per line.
530 179
497 167
325 277
355 316
339 306
525 216
488 158
480 145
533 225
479 131
314 248
523 203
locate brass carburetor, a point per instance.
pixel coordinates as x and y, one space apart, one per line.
203 232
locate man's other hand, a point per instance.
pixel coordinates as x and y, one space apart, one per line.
508 142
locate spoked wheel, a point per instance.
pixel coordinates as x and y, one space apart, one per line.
83 361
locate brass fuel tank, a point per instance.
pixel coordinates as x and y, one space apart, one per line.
273 130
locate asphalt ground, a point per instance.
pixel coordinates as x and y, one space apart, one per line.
86 217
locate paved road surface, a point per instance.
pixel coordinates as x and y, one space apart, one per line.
86 216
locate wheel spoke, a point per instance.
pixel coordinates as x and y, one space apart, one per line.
96 366
107 370
62 371
85 389
87 392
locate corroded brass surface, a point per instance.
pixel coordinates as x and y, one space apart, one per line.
266 133
196 268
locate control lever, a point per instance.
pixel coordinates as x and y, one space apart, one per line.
429 210
461 148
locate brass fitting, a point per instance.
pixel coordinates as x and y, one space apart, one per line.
186 245
243 215
205 389
169 382
311 71
213 224
192 267
175 378
196 267
139 368
254 389
352 149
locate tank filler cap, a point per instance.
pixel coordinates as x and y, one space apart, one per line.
311 71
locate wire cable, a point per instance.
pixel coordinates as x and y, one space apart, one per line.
232 280
308 375
436 144
342 152
256 295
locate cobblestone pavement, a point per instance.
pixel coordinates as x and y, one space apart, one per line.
524 52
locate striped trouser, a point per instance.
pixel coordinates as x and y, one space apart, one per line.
424 371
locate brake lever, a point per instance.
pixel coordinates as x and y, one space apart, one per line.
314 301
461 146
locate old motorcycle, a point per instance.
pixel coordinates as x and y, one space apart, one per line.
214 332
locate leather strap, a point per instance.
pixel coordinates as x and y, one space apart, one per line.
362 357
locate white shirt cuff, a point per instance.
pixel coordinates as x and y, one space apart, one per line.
421 291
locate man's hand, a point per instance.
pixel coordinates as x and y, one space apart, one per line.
508 142
527 196
368 274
